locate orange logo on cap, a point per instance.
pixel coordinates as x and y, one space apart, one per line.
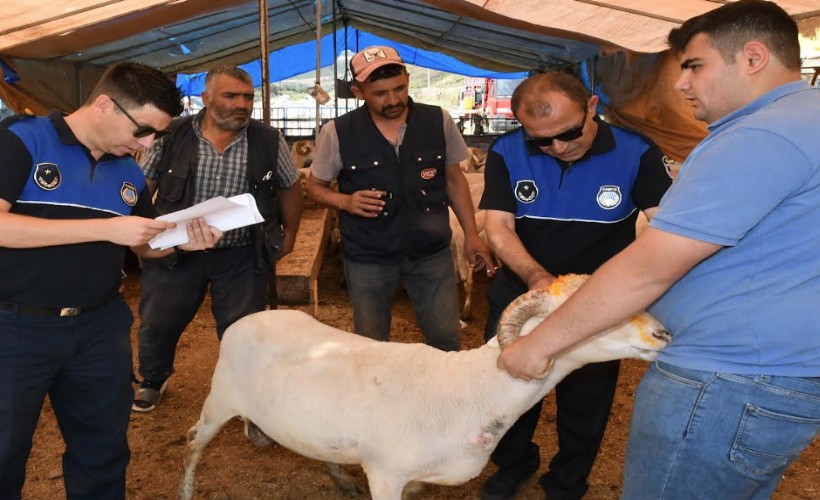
372 53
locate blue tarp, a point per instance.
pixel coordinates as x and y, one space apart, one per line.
298 59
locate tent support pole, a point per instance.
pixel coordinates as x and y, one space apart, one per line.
263 47
335 66
318 63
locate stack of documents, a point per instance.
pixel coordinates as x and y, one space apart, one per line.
222 213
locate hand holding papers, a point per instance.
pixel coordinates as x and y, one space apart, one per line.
222 213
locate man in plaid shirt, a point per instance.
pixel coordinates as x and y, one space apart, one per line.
220 151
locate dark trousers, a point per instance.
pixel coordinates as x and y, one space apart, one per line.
172 295
83 363
583 398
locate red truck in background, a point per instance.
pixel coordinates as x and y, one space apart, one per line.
485 103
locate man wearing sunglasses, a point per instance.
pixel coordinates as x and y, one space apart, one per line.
71 200
562 194
220 151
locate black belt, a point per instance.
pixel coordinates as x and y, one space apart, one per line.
24 310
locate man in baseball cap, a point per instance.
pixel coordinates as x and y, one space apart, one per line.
397 163
372 58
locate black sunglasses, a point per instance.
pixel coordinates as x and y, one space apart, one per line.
141 130
569 135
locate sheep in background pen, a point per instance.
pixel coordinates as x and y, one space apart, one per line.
301 152
476 161
473 168
464 273
406 412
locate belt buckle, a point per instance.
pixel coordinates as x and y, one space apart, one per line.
69 311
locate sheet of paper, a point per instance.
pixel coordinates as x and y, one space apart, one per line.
222 213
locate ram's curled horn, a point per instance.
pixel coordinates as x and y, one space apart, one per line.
532 303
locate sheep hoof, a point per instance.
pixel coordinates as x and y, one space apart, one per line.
256 436
343 480
412 490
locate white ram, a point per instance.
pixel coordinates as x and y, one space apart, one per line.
405 412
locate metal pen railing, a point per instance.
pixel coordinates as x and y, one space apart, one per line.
299 121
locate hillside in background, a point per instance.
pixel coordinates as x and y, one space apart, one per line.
428 86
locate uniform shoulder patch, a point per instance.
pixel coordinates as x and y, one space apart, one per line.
129 194
609 197
526 191
47 176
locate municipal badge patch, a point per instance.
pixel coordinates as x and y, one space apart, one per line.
47 176
609 197
428 173
129 194
526 191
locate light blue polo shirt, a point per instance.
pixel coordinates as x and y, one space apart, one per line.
753 186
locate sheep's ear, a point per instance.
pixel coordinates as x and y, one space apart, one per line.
547 370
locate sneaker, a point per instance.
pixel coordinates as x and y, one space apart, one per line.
148 395
256 435
504 483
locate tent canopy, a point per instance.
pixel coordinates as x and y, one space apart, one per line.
58 49
297 59
187 36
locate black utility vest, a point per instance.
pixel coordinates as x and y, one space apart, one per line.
415 222
177 170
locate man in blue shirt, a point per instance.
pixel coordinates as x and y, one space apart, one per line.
71 200
735 397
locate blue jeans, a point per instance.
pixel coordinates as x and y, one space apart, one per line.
697 434
431 284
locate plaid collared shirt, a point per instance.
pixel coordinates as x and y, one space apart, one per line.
224 174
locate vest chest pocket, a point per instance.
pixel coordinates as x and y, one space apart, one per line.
364 165
369 173
264 192
171 185
431 178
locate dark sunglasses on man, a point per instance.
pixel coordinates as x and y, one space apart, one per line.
141 130
569 135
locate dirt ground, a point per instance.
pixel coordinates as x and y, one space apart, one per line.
233 469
